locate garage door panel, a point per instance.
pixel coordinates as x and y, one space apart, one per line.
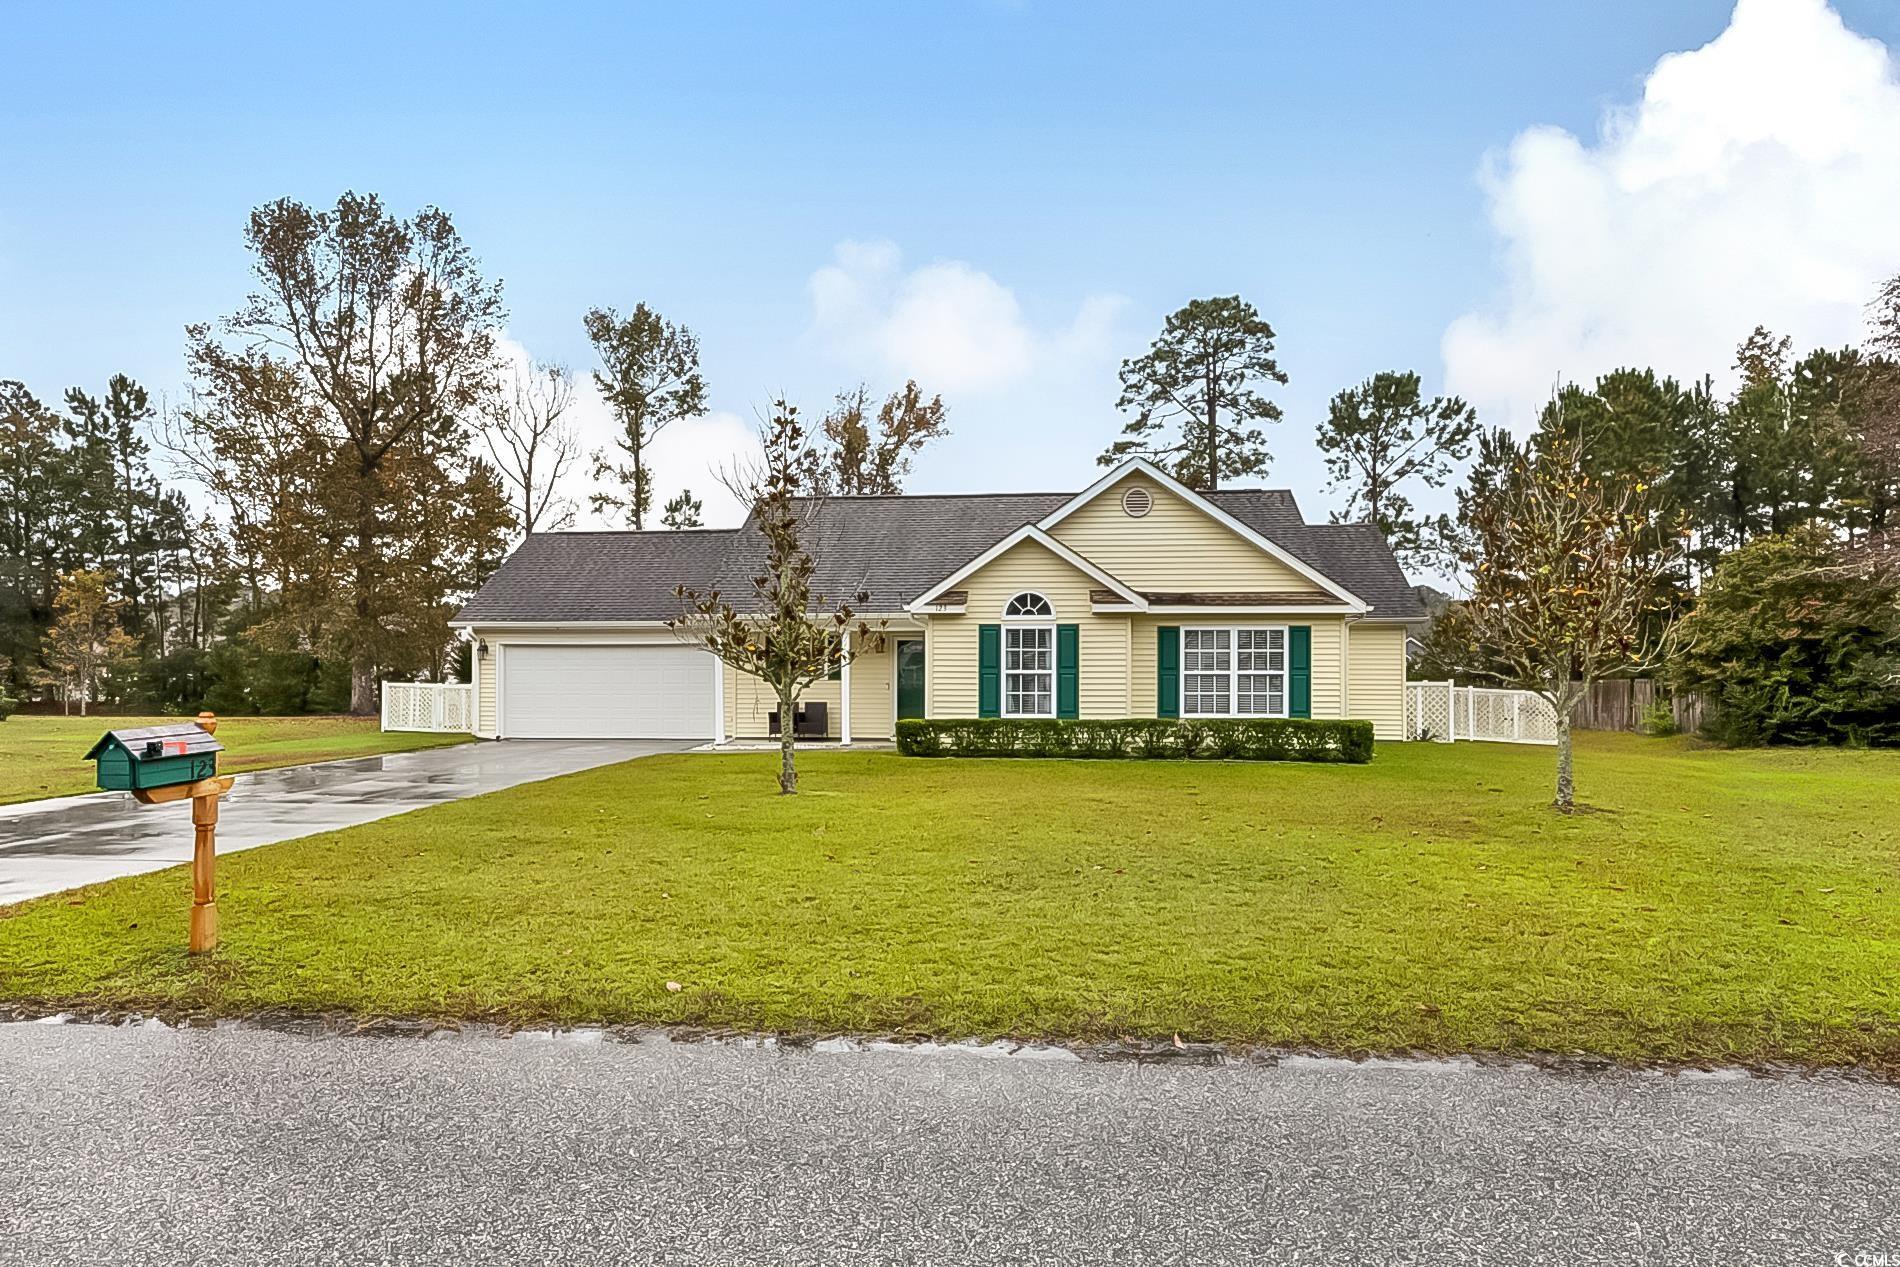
606 691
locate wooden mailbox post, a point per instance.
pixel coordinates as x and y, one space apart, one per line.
160 764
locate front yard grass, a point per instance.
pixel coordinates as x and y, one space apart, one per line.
1722 906
44 756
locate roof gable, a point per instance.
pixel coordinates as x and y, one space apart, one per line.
1187 496
1029 532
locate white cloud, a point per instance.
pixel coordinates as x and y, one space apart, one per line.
947 324
1756 181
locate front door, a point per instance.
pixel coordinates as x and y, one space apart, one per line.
910 677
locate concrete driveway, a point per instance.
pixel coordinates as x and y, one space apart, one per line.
46 846
233 1145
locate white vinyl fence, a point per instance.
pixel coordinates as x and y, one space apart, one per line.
1445 711
443 706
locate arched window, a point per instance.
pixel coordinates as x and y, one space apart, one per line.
1029 657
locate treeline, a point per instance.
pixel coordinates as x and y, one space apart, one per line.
80 502
112 589
370 454
1813 441
1764 525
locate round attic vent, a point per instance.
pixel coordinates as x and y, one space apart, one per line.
1137 501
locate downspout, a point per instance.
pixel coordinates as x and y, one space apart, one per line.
1345 666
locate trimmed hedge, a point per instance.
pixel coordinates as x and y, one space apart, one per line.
1262 739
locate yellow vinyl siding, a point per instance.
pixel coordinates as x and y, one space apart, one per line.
1326 645
1378 678
749 701
1328 633
950 652
1175 547
484 692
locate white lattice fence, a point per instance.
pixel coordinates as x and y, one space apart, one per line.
439 706
1445 711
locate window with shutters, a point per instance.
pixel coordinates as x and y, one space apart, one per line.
1029 657
1234 671
1029 671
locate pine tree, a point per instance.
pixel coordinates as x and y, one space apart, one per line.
1381 436
682 510
649 377
1196 397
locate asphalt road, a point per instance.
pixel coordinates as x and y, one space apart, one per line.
148 1145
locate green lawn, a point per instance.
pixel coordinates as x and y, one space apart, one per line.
43 756
1723 906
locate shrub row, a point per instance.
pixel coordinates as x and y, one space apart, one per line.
1262 739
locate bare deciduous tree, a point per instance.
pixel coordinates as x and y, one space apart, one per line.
533 443
789 636
1563 586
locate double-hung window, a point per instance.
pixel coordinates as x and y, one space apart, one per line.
1029 658
1233 672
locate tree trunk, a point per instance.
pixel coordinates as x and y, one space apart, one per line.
362 671
1566 785
787 770
1213 434
640 488
362 688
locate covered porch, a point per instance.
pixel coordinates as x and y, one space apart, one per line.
882 682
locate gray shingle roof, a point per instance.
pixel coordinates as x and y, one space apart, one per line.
584 576
894 548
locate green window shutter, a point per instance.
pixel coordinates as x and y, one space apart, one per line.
989 670
1168 671
1067 684
1299 663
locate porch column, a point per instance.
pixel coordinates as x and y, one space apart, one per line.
844 690
719 701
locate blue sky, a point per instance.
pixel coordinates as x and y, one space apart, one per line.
1030 186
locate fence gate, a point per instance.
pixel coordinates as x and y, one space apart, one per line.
1445 711
441 706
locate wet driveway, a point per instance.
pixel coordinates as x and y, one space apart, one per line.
46 846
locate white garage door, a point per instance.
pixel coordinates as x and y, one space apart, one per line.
606 692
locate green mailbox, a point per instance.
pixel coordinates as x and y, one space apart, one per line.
146 757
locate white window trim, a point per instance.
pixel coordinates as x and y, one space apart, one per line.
1234 671
1003 671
